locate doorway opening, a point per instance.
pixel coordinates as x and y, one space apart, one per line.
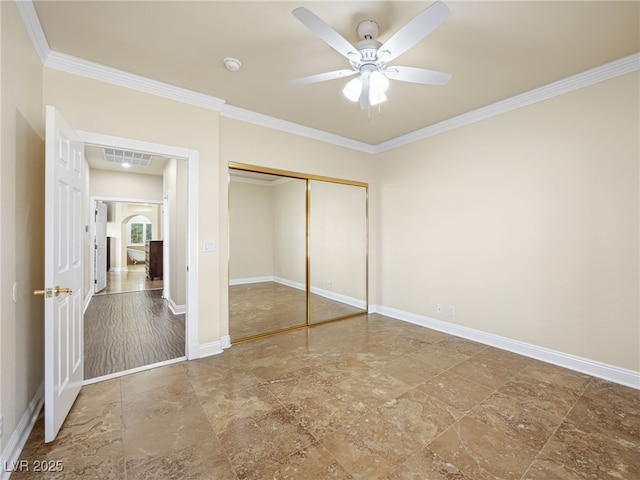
158 307
128 266
132 321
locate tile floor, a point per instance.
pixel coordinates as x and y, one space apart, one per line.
364 398
265 307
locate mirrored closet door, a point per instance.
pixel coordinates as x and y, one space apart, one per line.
338 250
267 253
297 250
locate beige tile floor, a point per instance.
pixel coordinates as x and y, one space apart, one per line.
266 307
364 398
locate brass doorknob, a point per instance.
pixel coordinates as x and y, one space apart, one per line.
50 292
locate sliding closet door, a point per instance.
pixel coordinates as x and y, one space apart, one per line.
338 250
267 263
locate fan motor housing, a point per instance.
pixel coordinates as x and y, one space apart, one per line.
367 29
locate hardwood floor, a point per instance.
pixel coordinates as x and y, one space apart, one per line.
131 329
132 280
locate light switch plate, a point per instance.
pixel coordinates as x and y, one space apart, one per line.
209 246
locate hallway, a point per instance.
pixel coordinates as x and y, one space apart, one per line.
129 325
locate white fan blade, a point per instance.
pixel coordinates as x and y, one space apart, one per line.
414 31
365 101
326 33
322 77
417 75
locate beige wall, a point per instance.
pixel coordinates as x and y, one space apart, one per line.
251 230
94 106
293 153
527 223
338 239
268 234
175 188
110 184
21 220
267 230
290 245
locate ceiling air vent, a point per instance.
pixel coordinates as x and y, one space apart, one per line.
126 157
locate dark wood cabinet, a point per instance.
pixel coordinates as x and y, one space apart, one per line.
153 259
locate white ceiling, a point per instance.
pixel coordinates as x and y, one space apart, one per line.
494 50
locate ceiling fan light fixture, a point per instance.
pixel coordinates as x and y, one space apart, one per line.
369 57
353 90
379 82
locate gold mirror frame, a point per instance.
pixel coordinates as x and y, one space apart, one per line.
307 178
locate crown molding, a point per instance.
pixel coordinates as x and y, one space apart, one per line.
32 24
70 64
598 74
248 116
85 68
100 72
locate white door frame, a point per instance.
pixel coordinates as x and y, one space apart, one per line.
166 246
192 158
99 252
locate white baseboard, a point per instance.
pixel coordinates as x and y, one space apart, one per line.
208 349
87 300
244 281
175 309
623 376
225 341
338 297
354 302
289 283
12 451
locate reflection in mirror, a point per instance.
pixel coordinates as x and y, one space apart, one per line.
338 250
267 248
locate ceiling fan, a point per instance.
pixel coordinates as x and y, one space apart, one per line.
369 57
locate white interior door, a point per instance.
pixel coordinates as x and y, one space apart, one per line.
63 344
100 246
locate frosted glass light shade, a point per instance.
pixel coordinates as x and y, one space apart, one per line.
353 89
379 82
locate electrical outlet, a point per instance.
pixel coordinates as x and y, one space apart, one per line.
452 310
439 308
